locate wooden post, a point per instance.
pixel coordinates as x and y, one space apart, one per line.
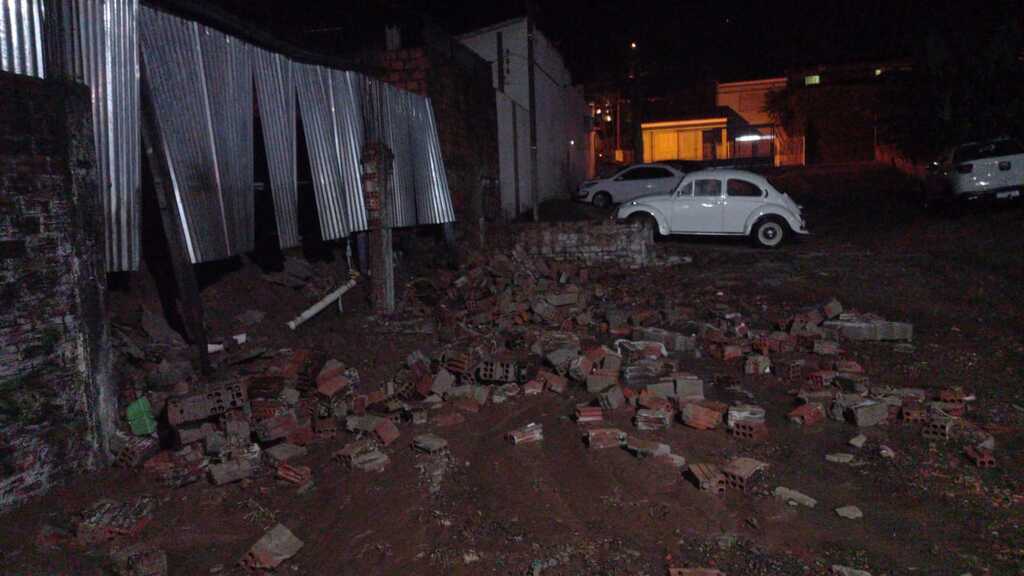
184 273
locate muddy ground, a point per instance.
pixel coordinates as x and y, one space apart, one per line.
555 508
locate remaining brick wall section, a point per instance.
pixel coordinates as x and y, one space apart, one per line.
56 402
587 242
458 83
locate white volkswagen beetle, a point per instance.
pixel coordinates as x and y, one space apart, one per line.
722 202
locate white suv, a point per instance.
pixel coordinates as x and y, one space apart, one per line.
721 202
629 183
991 169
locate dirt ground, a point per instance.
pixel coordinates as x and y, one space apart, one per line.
557 508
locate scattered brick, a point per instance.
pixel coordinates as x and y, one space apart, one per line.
298 475
980 457
807 414
530 433
601 438
698 416
707 477
586 414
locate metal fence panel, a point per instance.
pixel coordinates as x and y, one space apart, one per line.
332 123
349 121
21 37
101 51
227 68
201 84
275 90
433 198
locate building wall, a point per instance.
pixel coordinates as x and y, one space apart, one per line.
748 98
57 404
562 142
459 85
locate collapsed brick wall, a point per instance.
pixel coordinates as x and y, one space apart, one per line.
458 83
586 242
56 400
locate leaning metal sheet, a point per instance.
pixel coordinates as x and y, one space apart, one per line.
433 199
101 51
332 123
275 90
21 37
199 135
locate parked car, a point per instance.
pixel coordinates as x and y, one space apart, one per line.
628 183
721 202
991 169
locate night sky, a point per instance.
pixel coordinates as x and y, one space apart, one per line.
717 40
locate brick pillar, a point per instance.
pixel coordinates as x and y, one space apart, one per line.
377 161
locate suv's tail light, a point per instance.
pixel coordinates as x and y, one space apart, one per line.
965 168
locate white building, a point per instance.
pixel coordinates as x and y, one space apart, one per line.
562 115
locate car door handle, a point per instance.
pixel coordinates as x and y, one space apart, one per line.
1004 165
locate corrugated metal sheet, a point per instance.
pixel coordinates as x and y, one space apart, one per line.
332 123
201 87
21 37
275 91
386 110
349 119
102 53
227 65
433 198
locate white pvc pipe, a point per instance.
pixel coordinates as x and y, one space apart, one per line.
319 306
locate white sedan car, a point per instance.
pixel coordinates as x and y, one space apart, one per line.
721 202
992 169
629 183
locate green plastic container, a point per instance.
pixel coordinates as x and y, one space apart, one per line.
140 417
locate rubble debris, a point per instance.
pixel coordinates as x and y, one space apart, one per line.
839 458
869 413
699 416
202 406
586 413
757 364
298 475
858 441
695 572
532 432
937 428
793 496
647 448
283 452
135 450
740 472
107 519
746 413
839 570
652 420
276 546
601 438
807 414
139 560
708 477
231 471
612 398
980 457
859 328
850 512
886 452
429 443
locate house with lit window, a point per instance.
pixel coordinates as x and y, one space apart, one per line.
737 129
